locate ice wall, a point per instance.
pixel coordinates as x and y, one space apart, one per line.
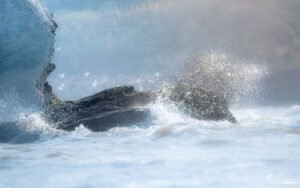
26 45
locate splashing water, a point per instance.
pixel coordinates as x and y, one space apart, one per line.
238 81
34 123
11 104
172 151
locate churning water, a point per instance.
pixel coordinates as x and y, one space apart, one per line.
174 150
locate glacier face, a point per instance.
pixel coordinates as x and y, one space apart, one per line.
27 33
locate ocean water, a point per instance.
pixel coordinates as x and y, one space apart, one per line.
173 151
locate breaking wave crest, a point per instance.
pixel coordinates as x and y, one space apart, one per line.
171 123
239 81
30 127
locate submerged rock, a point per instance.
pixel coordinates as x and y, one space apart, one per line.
124 106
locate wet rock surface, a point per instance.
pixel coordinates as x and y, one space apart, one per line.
124 106
201 104
121 106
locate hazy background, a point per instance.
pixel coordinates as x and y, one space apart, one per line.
109 42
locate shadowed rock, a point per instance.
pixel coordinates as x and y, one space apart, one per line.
124 106
200 104
121 106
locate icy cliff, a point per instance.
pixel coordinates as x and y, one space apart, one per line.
26 45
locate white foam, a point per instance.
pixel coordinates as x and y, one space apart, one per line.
238 80
34 123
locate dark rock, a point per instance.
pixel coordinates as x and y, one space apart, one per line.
107 120
120 106
198 103
123 106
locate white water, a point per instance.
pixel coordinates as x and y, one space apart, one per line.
175 151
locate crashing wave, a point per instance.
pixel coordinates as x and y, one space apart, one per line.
27 34
236 80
